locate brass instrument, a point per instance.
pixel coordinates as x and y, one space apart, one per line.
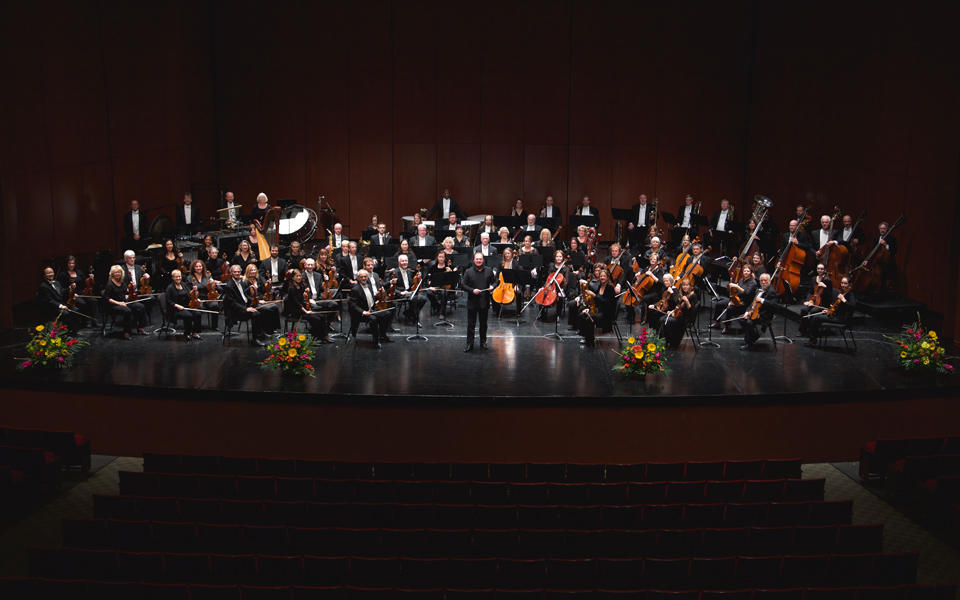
696 207
730 217
654 212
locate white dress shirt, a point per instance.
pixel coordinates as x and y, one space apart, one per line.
642 216
188 214
824 238
135 218
685 220
722 221
369 295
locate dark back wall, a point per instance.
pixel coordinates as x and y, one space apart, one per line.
378 105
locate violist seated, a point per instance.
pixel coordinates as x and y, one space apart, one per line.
766 296
120 302
741 295
598 305
838 309
53 297
177 296
401 278
241 303
297 307
681 311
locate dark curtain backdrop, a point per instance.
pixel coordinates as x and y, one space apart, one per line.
379 105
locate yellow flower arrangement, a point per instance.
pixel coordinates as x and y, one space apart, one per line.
920 350
642 354
50 346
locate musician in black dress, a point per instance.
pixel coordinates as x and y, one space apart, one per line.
652 271
72 275
604 299
215 263
766 296
460 240
52 296
362 305
843 302
655 315
682 311
119 303
296 307
478 282
568 283
244 257
177 296
204 284
822 282
744 290
260 210
170 259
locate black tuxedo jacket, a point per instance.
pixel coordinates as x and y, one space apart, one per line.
51 294
138 270
128 224
474 280
399 284
358 300
281 268
182 218
345 267
438 209
233 302
635 214
715 220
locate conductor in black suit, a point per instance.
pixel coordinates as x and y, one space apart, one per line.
478 283
187 219
446 205
363 300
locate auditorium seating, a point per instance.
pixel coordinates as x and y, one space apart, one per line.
31 461
70 449
877 456
218 527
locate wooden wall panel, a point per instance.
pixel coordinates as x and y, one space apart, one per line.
458 168
545 173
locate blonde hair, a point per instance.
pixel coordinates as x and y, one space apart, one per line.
250 270
115 269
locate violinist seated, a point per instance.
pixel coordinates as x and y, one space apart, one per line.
485 247
656 247
208 291
294 255
298 305
758 317
115 293
821 290
53 297
382 289
618 258
238 304
682 310
363 307
840 305
664 303
275 270
601 294
245 256
72 275
401 279
177 296
438 296
742 294
259 288
320 299
132 272
756 264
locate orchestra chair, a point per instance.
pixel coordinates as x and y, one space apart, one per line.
228 326
105 315
615 326
166 327
842 328
288 318
693 333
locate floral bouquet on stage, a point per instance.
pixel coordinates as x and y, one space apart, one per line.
50 346
291 353
919 349
642 355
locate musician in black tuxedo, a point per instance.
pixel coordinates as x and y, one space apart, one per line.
793 236
886 240
381 237
362 305
767 297
849 235
422 238
236 305
446 205
313 280
52 296
485 247
187 219
275 269
135 227
550 210
642 217
721 228
349 264
402 279
478 282
584 209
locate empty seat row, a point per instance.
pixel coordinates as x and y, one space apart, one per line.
753 541
479 471
421 516
57 589
876 456
466 492
912 470
682 573
71 449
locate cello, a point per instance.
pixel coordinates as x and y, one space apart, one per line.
834 255
504 292
592 236
792 259
548 293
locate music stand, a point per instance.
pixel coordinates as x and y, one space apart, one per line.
551 223
461 260
530 261
621 214
577 260
339 301
668 218
425 253
713 304
417 336
589 221
491 260
782 310
379 253
499 246
511 223
441 279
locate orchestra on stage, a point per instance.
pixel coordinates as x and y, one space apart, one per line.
271 266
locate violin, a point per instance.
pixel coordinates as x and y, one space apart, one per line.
254 299
72 295
131 292
145 289
663 305
194 298
88 285
677 312
212 290
306 297
224 272
816 298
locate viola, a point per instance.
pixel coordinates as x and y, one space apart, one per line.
88 285
72 295
254 299
212 290
663 305
677 312
224 272
145 289
131 292
267 290
306 297
816 298
194 298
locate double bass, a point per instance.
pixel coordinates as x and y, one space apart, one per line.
791 260
869 273
834 255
